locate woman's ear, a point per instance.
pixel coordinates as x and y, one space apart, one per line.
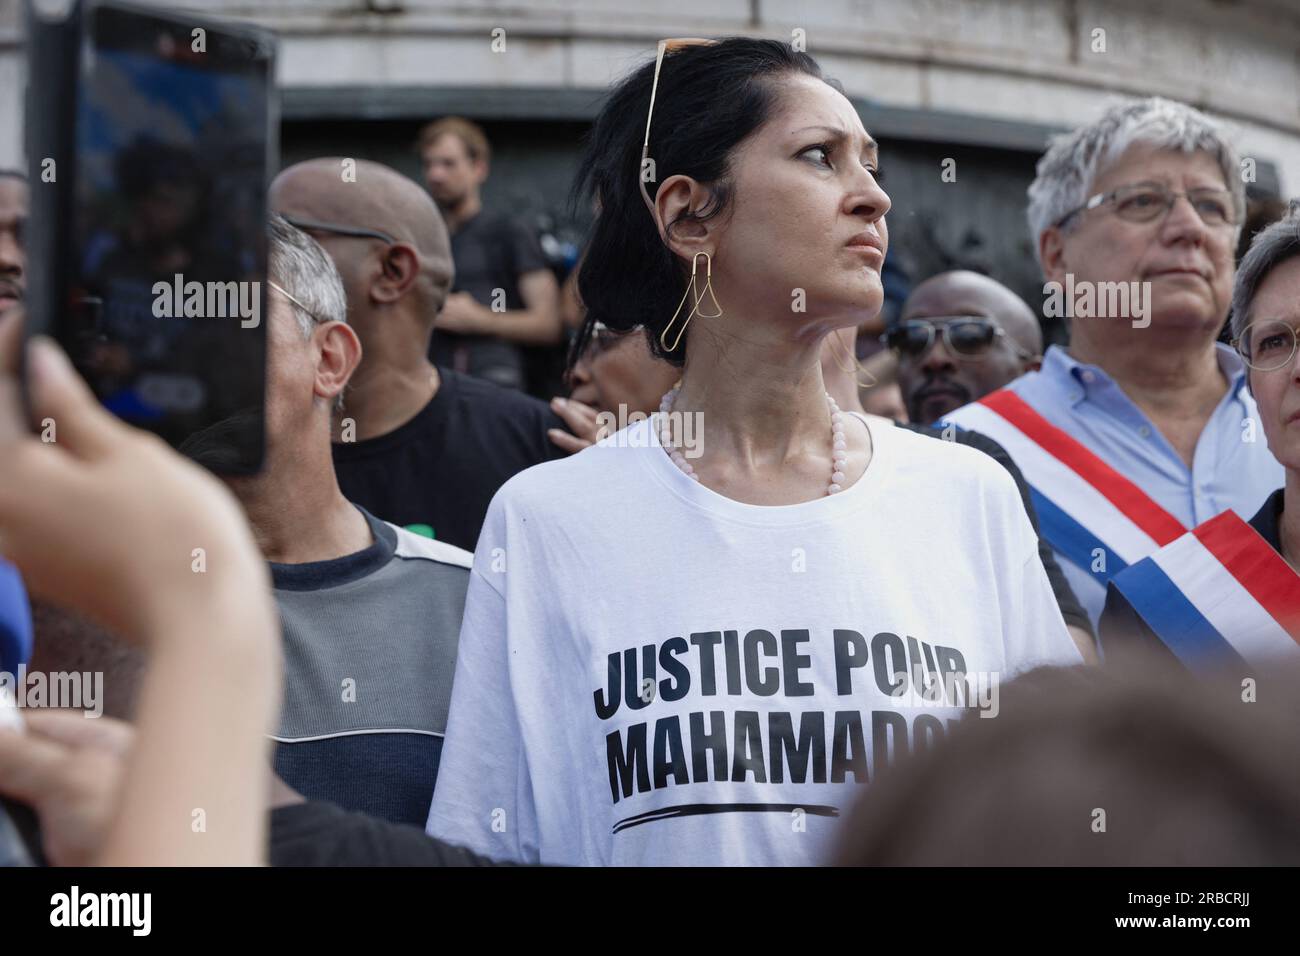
339 354
678 195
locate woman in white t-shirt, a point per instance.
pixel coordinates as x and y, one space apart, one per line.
691 643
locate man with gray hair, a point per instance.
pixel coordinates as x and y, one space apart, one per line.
1143 426
1228 589
370 612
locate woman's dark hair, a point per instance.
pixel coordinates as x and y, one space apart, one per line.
710 98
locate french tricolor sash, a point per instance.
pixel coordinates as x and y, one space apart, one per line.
1092 515
1219 594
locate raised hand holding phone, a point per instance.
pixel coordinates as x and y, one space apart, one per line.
105 520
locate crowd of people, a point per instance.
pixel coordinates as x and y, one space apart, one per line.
737 597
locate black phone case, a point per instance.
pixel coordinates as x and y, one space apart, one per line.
50 95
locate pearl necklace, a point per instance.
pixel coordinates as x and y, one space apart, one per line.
839 448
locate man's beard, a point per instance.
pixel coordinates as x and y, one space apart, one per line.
937 397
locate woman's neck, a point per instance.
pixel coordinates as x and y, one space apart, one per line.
840 370
757 407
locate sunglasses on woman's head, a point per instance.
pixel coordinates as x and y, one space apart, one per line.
664 47
966 336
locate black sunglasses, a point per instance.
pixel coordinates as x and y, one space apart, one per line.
313 225
603 339
966 336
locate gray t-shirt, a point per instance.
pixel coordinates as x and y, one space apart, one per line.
369 654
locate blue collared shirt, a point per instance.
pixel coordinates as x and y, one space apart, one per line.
1231 468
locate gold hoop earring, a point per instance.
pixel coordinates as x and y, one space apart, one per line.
695 305
854 366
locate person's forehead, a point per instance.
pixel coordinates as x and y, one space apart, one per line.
448 146
805 101
952 298
1278 296
1144 162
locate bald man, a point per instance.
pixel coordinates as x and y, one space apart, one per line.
423 447
960 336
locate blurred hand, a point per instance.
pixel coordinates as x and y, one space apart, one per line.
69 769
462 314
106 518
582 422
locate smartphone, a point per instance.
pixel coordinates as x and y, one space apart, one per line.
151 138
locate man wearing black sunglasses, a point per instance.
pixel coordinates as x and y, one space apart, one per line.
960 336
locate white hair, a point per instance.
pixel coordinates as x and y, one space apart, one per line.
298 264
1075 160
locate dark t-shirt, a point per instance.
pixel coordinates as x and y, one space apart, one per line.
1071 609
441 469
320 834
1121 628
491 252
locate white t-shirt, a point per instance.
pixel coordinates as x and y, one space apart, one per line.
761 641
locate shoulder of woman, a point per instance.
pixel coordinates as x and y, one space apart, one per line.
963 467
576 483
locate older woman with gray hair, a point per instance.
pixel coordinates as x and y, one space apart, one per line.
1141 427
1227 591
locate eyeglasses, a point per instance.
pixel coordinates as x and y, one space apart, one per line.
312 225
664 47
1266 345
292 298
1146 202
966 336
603 338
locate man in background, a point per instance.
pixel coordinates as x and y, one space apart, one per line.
370 612
960 336
505 295
424 447
1142 427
